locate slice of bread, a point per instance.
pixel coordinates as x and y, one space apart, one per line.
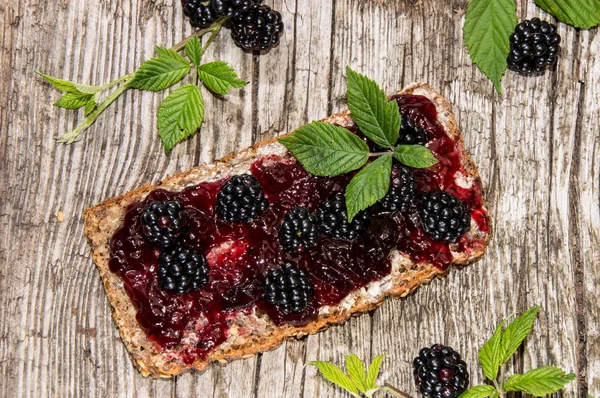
253 332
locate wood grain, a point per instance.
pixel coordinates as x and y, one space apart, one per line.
537 147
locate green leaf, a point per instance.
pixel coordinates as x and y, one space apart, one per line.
540 381
90 106
516 332
326 150
368 186
219 77
416 156
162 72
376 118
65 85
373 371
332 373
583 14
482 391
193 49
488 25
180 115
490 354
165 53
74 100
356 371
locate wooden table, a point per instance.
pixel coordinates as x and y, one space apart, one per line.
537 147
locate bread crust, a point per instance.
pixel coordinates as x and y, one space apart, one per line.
254 333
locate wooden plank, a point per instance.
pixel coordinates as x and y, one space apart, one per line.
537 147
584 215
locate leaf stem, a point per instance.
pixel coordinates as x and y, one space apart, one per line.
181 45
374 154
499 388
70 137
117 81
216 28
389 388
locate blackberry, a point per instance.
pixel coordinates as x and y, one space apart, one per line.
402 190
299 231
334 219
200 15
182 270
410 134
163 223
241 199
439 372
534 47
288 288
444 216
257 29
232 8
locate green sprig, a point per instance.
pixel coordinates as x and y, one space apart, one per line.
327 150
500 348
181 113
358 381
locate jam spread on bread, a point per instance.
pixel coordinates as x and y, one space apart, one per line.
241 254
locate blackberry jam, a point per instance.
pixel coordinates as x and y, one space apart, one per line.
240 255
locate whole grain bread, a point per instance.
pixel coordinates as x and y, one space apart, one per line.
253 333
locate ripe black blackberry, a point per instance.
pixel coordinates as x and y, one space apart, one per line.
241 198
182 270
289 288
163 223
257 29
334 219
232 8
200 13
534 47
410 134
299 230
402 190
444 216
439 372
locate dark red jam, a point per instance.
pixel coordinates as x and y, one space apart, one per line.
241 254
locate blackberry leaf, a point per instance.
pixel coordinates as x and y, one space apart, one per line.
490 354
180 115
583 14
368 186
90 106
161 72
67 86
373 371
487 28
74 100
356 371
219 77
333 374
376 118
515 333
540 381
193 49
482 391
326 150
416 156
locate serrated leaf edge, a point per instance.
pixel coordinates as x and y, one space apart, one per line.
353 189
344 381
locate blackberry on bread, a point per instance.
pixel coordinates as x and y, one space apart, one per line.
253 330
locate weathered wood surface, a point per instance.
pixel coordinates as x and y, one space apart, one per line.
538 149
